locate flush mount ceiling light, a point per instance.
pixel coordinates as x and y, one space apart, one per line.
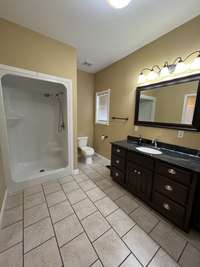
119 3
177 67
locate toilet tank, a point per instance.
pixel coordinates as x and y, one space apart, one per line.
82 141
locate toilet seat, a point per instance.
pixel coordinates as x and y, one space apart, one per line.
88 151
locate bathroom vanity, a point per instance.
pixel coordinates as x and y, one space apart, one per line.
167 182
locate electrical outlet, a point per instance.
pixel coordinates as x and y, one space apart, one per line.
180 134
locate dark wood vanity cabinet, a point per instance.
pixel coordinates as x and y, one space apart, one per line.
165 187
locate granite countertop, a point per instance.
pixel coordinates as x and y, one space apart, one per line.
177 158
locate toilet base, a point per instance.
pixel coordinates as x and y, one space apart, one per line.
88 160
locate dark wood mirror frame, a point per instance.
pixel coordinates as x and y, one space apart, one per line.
196 117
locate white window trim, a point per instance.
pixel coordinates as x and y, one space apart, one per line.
98 94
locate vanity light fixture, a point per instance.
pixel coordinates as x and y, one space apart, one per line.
177 67
165 70
119 3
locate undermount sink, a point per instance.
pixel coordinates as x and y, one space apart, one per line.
149 150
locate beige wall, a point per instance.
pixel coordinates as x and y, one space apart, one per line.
85 105
23 48
121 78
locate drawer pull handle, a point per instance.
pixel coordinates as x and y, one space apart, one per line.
135 171
171 171
168 187
139 172
166 206
116 174
117 161
118 150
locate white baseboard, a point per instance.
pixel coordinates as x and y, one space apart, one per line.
75 172
3 207
102 157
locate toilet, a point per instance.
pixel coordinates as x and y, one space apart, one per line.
87 152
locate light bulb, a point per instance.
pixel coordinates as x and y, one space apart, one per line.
141 78
164 71
180 67
152 75
196 63
119 3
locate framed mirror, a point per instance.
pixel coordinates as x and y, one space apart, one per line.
171 104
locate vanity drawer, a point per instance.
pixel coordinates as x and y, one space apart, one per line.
117 175
140 160
169 208
118 151
118 162
177 174
171 189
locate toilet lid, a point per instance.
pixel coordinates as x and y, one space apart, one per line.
87 149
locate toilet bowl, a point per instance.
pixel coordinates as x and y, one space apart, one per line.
86 151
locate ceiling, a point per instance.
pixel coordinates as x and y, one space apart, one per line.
101 34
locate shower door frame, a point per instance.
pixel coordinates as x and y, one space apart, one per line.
4 144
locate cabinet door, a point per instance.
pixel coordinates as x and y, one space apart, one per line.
139 181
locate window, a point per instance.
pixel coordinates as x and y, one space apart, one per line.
102 107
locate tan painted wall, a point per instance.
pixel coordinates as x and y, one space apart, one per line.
23 48
85 105
121 78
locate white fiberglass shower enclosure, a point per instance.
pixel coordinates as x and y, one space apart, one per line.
35 127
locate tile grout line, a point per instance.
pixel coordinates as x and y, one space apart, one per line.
153 256
182 251
41 219
39 245
53 228
86 234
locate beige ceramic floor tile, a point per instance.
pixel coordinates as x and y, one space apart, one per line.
66 179
35 214
97 264
95 225
127 203
60 211
76 196
190 257
163 259
55 198
67 229
32 190
168 239
51 188
79 252
142 246
111 249
12 257
46 255
33 200
121 222
106 206
105 184
14 201
145 219
71 186
95 194
115 192
10 236
131 261
12 216
84 208
80 178
87 185
37 234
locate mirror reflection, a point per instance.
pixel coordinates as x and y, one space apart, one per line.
169 104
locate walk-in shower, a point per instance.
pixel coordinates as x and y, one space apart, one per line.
36 128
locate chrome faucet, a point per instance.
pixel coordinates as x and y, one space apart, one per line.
139 142
154 142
